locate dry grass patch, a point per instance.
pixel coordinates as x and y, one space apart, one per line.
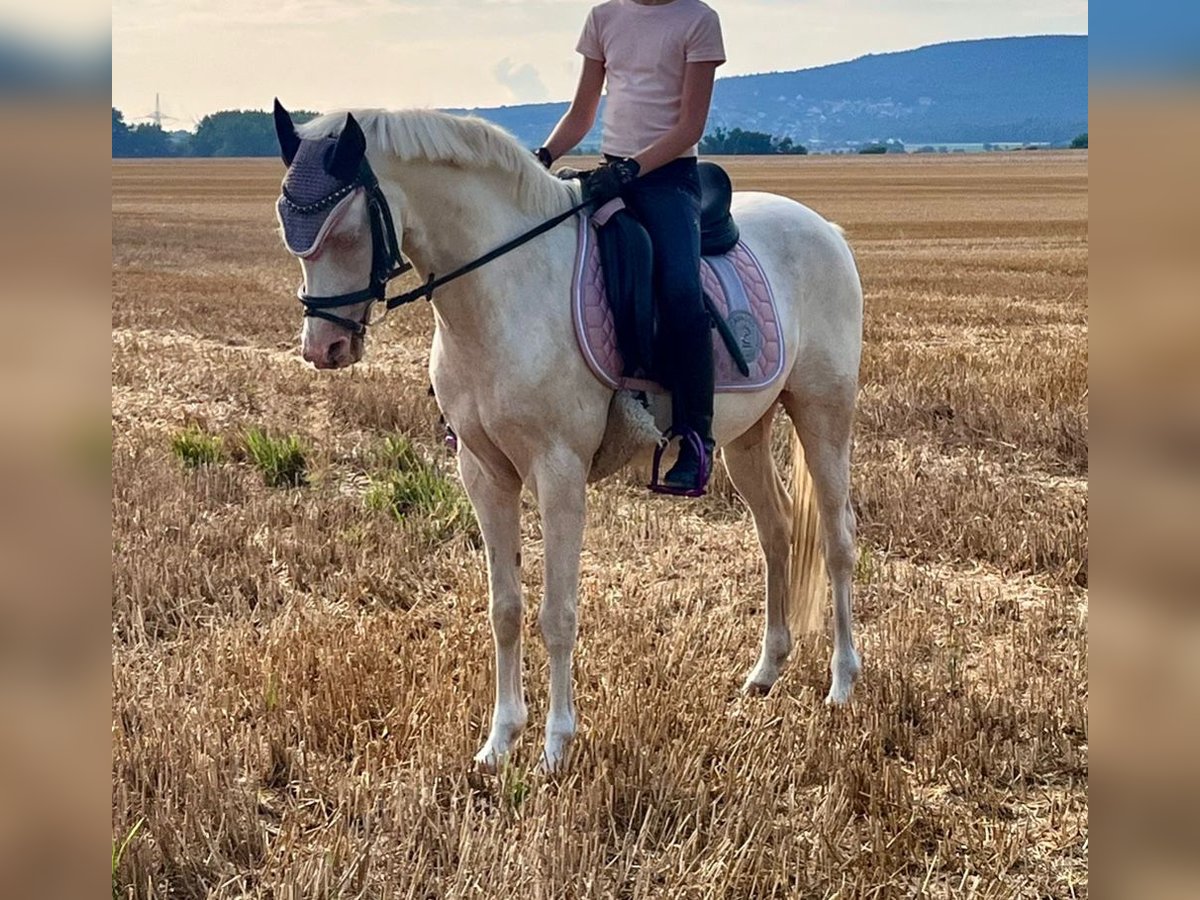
1019 400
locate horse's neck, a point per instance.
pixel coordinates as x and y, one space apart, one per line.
452 216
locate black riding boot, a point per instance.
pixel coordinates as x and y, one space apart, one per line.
692 411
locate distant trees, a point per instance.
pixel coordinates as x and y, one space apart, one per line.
888 146
236 132
748 143
1079 142
226 133
145 140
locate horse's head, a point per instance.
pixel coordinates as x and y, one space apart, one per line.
325 217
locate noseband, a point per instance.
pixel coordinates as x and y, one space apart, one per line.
387 262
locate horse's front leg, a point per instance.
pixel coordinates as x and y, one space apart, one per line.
495 492
561 493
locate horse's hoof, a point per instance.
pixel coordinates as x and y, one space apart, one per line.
840 691
761 679
489 761
845 672
555 756
486 765
756 689
838 696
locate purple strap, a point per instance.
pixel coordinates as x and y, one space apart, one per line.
607 211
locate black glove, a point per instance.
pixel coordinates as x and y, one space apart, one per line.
543 156
610 180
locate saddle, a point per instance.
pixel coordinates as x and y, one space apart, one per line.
718 232
613 302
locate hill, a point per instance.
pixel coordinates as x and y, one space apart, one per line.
998 89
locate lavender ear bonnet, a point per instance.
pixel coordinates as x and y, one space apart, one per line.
312 200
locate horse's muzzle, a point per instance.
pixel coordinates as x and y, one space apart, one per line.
334 352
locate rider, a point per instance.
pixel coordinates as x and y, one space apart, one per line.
659 58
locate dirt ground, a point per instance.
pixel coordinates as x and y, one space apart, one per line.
302 674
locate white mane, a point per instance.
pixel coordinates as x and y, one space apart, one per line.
462 140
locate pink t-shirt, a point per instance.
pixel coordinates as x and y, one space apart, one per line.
644 49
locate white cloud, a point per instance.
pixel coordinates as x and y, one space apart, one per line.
523 82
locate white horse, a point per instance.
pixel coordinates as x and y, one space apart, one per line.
512 382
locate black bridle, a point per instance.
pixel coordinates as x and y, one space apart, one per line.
387 262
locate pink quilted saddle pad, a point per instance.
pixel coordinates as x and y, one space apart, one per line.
736 284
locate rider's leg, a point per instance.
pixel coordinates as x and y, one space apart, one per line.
667 201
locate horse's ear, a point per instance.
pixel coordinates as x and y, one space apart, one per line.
348 153
289 141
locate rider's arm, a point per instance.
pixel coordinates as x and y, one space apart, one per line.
581 115
693 113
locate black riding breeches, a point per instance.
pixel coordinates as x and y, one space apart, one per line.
667 202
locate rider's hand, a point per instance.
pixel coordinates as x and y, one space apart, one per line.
608 181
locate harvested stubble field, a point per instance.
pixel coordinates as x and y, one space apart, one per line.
301 674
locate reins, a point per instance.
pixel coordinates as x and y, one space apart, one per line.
387 260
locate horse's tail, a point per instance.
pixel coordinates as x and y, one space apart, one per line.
807 584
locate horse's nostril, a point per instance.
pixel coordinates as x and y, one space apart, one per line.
337 349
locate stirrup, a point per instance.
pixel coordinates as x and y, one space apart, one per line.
702 473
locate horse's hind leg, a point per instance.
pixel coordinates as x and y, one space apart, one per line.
823 423
495 493
752 471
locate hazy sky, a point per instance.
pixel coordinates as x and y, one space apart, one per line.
205 55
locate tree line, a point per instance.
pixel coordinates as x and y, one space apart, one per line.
237 132
232 132
748 143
